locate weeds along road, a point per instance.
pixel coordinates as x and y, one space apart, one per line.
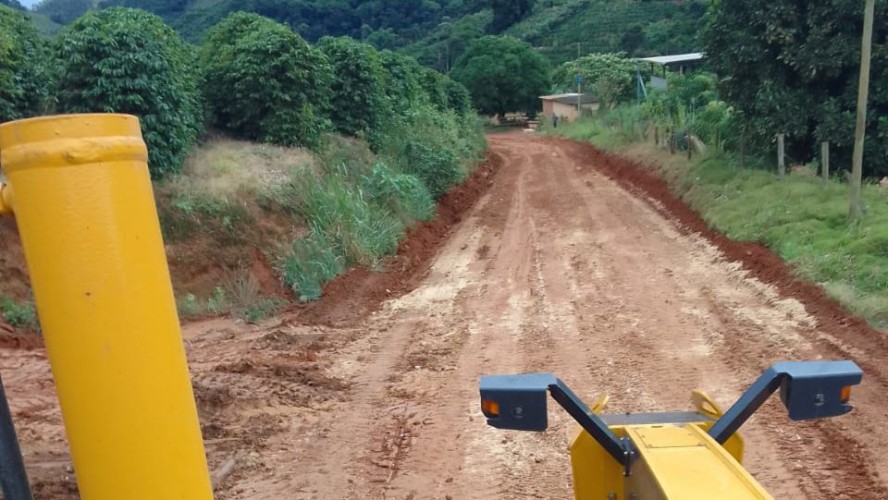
556 268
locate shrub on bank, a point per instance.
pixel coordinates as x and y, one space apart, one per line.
264 82
24 63
128 61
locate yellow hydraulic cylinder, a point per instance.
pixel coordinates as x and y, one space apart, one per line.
85 211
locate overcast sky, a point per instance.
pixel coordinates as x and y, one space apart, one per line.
29 3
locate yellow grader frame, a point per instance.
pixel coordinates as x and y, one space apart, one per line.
668 455
79 188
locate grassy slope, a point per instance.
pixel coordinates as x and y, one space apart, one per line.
800 218
301 218
555 26
45 25
596 25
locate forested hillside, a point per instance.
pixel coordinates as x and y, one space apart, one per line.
437 31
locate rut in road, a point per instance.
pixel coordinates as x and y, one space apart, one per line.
558 269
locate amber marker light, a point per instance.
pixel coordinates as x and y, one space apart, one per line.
491 408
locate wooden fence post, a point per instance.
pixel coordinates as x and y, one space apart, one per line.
781 160
824 160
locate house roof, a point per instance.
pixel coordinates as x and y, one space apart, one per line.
571 98
678 58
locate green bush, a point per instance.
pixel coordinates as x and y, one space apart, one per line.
433 85
403 79
128 61
359 104
24 59
19 314
458 98
264 82
437 167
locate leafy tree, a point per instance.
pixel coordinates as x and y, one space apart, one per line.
128 61
359 85
263 81
24 79
12 3
509 12
502 74
792 67
63 11
610 76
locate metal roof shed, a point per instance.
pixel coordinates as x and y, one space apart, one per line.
675 62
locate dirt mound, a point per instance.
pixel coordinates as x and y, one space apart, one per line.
14 281
26 341
360 291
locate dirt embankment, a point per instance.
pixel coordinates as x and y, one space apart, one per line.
573 262
360 291
756 258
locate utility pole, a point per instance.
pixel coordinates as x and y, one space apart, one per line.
781 155
579 95
856 209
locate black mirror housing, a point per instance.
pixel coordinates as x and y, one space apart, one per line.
817 389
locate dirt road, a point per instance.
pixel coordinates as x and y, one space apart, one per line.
557 268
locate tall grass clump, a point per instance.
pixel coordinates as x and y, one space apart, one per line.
19 314
311 263
348 226
401 194
358 230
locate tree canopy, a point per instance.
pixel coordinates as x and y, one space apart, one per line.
24 58
792 67
264 82
502 74
128 61
611 77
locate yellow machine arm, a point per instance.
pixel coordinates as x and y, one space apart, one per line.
668 455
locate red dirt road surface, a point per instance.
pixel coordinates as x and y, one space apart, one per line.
611 284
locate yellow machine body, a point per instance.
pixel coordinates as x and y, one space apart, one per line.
676 461
79 188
